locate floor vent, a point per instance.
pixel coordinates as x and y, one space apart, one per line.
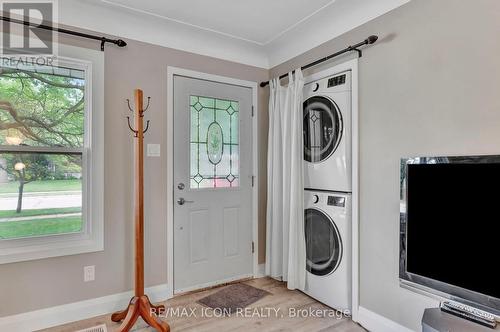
99 328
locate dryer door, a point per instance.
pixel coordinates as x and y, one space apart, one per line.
322 128
323 243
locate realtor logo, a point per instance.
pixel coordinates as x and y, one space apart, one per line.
28 39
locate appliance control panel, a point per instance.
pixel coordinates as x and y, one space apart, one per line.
337 80
336 201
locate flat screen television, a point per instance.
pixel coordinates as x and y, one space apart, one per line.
450 228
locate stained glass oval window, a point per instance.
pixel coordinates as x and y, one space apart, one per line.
214 143
215 150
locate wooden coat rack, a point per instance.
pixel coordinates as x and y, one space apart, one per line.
139 305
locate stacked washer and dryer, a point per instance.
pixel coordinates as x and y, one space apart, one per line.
327 182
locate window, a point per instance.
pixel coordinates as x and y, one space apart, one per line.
214 143
50 200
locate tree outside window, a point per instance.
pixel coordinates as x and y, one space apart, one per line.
42 133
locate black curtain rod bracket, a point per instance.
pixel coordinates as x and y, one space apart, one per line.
360 53
103 40
353 48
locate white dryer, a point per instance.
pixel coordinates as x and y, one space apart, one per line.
327 133
328 248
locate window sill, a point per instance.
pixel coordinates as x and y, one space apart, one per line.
63 247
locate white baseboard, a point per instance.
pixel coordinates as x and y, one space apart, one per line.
376 323
261 271
67 313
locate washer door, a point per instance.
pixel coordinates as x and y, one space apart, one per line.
323 243
322 128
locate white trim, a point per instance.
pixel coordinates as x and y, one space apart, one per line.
108 19
351 65
328 22
68 313
41 149
171 72
163 17
355 188
297 23
376 323
326 25
91 238
226 34
261 271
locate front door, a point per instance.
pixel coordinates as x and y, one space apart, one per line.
212 183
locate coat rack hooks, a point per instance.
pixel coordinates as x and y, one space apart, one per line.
129 107
130 126
147 127
147 106
140 114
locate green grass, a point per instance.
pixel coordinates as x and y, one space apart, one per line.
18 229
38 212
42 186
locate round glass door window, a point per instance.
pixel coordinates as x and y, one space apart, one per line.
322 128
323 243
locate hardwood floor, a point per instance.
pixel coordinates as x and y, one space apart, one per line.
271 313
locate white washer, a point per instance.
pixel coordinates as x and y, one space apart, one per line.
327 133
328 247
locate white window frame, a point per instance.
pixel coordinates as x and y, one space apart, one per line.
91 238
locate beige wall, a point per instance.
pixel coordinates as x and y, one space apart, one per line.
430 86
54 281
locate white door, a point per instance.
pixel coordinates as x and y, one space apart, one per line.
212 183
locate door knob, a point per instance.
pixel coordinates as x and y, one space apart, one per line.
182 201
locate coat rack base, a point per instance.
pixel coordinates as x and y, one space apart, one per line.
140 306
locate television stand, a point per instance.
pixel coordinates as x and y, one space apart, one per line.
434 320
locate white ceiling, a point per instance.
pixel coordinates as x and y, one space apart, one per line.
262 33
255 21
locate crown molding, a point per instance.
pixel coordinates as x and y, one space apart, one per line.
128 24
331 21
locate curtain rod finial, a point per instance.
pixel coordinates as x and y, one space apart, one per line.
121 43
372 39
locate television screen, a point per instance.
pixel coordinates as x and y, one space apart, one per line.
452 233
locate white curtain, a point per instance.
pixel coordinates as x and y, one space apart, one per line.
285 243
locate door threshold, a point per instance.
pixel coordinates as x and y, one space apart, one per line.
218 285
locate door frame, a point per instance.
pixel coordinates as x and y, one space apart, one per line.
351 65
175 71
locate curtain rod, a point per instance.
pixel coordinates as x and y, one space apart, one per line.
370 40
103 40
